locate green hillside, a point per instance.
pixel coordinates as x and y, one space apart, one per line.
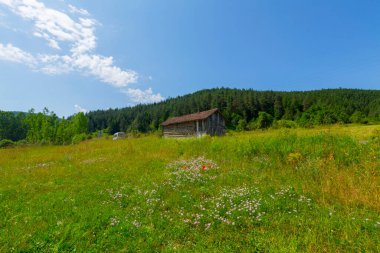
242 108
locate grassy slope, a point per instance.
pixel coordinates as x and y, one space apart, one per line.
278 190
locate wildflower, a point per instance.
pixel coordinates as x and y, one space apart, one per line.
207 226
114 221
190 171
136 223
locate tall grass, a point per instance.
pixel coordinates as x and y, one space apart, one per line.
280 190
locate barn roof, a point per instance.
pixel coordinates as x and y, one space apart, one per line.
190 117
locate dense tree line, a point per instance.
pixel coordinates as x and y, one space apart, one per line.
43 127
242 109
249 109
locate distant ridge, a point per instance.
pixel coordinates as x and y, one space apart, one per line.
16 112
13 112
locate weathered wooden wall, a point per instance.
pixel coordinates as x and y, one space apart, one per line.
180 129
213 125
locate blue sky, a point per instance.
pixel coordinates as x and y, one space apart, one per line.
77 55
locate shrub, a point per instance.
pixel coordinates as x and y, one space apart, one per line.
133 134
6 143
358 117
242 125
264 120
22 142
284 124
78 138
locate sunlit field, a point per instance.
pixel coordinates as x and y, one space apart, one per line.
289 190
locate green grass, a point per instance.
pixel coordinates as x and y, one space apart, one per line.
299 190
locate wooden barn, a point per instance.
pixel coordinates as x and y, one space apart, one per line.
209 122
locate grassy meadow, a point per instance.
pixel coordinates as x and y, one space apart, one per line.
285 190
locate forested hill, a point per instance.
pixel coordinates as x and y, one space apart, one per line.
248 109
243 110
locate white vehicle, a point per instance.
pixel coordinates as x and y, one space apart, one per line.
118 136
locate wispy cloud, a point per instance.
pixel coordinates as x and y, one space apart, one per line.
143 96
10 53
77 31
74 10
103 68
55 26
96 65
79 108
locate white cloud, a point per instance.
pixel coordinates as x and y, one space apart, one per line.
76 10
78 108
6 2
143 96
103 68
56 26
77 31
14 54
96 65
55 64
